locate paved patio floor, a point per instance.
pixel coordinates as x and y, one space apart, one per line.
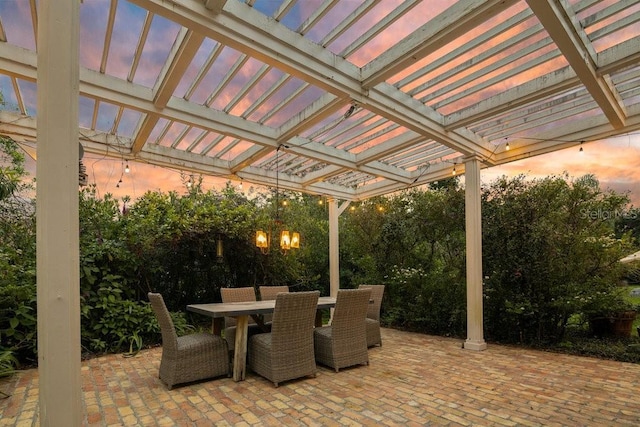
413 380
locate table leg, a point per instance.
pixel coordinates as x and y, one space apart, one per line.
240 353
318 318
216 325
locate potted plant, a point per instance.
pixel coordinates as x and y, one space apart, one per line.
610 314
622 322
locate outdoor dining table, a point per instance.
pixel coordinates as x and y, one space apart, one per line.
241 311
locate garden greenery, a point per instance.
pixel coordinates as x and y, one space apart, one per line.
550 248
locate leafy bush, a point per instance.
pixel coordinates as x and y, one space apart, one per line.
11 167
549 256
430 302
18 321
112 323
17 258
8 363
549 253
623 350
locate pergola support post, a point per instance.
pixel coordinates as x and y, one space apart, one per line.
473 222
57 223
334 246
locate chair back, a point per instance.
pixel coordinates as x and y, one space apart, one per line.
270 292
293 320
167 328
350 314
377 292
237 295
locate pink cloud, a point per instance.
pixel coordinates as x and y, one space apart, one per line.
615 162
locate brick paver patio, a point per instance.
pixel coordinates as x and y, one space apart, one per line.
413 380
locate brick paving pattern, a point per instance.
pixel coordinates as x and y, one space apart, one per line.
413 380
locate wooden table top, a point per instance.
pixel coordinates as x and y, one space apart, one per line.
247 308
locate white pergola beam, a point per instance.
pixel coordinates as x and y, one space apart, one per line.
322 108
449 25
121 92
182 53
215 6
530 92
250 32
569 39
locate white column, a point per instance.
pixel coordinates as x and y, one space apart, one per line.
334 248
58 279
473 222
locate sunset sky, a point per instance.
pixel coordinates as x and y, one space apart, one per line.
615 162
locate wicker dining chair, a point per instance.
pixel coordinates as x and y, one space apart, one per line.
270 293
344 342
372 321
188 358
237 295
287 351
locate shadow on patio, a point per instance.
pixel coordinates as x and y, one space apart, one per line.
413 380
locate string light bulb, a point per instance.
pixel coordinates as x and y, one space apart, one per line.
453 172
507 147
581 150
126 168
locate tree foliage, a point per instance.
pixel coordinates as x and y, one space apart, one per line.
550 249
549 252
11 167
413 242
17 257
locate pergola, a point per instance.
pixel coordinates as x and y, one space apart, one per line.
348 99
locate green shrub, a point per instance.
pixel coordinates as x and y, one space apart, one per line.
623 350
430 302
8 363
18 321
112 323
549 253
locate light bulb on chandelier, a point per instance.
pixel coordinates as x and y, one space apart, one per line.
288 240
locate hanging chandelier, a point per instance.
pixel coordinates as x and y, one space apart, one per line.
288 240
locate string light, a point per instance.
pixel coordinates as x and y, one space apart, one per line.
126 168
507 147
581 149
453 172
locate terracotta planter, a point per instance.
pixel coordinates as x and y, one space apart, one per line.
623 322
618 325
